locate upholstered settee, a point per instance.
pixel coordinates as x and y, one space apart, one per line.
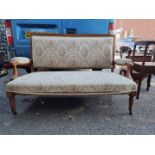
65 65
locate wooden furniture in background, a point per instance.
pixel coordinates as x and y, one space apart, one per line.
143 65
124 61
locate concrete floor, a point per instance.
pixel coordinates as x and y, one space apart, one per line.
98 115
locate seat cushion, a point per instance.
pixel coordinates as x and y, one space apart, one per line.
71 82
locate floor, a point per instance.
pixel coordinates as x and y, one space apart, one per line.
99 115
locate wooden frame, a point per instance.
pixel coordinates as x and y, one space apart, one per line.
12 95
142 69
15 64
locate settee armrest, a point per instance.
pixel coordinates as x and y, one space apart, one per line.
126 66
17 64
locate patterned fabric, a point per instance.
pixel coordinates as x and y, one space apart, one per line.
72 52
21 60
71 82
123 61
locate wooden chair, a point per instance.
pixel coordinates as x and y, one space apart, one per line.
144 68
124 61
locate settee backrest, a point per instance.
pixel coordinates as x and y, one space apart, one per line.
72 51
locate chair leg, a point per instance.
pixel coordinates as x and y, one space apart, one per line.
28 70
122 72
131 96
125 73
148 82
139 87
128 72
12 102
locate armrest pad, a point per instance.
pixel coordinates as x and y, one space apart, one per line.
21 62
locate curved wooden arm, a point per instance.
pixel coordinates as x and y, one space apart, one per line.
17 64
15 71
129 69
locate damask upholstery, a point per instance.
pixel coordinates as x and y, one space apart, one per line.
71 82
72 52
123 61
21 60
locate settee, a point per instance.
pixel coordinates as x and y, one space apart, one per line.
71 65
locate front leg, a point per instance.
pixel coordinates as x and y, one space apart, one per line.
12 102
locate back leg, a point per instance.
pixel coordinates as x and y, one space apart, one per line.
12 102
148 82
131 97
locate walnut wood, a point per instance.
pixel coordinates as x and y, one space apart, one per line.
16 64
126 50
12 103
15 71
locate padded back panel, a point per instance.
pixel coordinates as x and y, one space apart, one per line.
72 52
